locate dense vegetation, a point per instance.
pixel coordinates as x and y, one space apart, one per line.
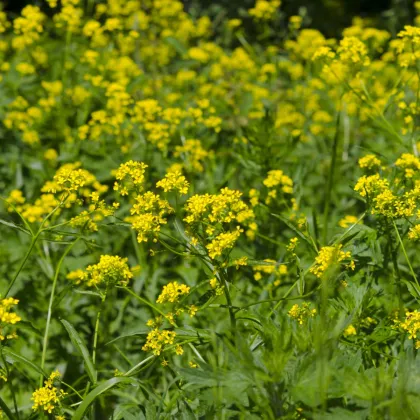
205 219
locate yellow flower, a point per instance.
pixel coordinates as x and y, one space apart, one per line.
192 310
50 154
410 163
369 162
213 282
172 291
264 9
222 242
158 339
174 181
350 330
110 270
411 323
243 261
292 244
8 318
330 256
414 233
347 221
179 350
48 397
301 313
129 175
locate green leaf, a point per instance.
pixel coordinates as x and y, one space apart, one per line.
26 325
412 288
81 347
14 226
19 358
96 392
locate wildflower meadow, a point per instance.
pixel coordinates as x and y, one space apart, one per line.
206 215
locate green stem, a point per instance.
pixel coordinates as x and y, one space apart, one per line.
9 381
331 178
6 410
33 241
405 254
283 298
229 302
140 299
47 326
276 300
133 369
319 345
28 253
95 337
396 273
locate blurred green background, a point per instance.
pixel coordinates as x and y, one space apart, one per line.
329 16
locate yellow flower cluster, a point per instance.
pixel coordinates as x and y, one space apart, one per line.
395 199
223 242
111 270
414 233
225 207
330 257
272 267
149 210
70 179
264 9
242 261
193 155
158 339
277 181
28 27
408 47
411 325
174 181
410 164
347 221
172 291
368 186
70 185
350 330
148 215
301 313
369 162
8 318
210 217
292 245
48 397
130 175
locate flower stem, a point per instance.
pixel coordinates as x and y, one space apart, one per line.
47 326
95 337
28 253
331 175
405 255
